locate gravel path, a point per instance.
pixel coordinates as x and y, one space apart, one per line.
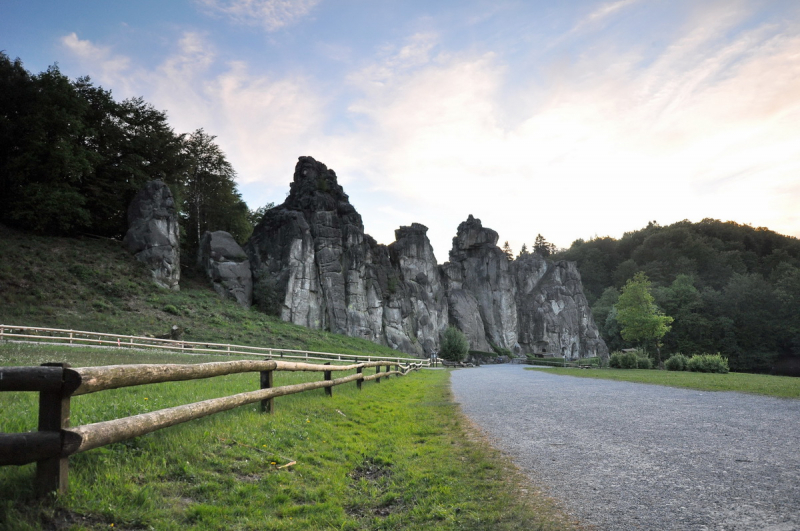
623 456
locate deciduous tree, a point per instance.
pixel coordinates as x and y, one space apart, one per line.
641 320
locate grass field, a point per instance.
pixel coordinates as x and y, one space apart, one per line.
396 455
762 384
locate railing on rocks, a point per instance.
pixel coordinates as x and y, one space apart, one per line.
79 337
53 443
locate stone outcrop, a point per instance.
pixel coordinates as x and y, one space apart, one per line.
153 233
226 265
329 274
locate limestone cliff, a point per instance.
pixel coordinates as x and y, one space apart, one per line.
327 273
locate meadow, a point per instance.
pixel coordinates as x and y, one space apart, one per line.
395 455
761 384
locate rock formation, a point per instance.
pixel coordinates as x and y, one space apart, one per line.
226 265
327 273
153 234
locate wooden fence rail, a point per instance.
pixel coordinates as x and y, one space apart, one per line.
53 443
80 337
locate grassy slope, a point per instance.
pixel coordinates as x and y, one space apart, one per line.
780 386
396 455
95 285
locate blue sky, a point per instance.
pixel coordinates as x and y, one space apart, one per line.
569 119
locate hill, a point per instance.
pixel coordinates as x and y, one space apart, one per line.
94 284
731 288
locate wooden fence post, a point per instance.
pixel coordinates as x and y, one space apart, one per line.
52 474
359 370
328 390
378 372
267 405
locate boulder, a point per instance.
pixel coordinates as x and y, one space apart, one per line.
153 233
226 265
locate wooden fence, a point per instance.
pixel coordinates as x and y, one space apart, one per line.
53 443
79 337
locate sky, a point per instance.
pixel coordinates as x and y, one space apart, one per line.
570 119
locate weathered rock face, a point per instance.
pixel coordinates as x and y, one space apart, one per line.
153 233
330 275
553 314
227 266
480 268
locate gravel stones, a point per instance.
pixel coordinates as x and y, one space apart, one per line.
624 456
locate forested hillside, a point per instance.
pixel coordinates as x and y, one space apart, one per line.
72 158
731 288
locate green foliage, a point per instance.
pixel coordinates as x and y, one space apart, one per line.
508 252
623 360
72 158
639 317
523 251
677 362
255 216
731 288
542 247
644 362
708 363
170 308
454 345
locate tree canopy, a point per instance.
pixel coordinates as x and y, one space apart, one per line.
639 317
72 158
731 288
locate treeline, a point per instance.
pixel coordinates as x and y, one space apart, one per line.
730 288
72 158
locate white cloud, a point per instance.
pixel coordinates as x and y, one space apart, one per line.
707 129
271 14
111 66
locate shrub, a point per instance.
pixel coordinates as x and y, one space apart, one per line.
454 345
170 308
644 363
676 362
708 363
265 296
624 360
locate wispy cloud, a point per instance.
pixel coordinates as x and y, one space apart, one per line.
271 14
112 66
707 128
261 122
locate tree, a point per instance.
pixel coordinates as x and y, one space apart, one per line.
210 198
508 252
641 320
542 247
454 345
524 251
255 216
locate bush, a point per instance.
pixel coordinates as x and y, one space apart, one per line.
708 363
676 362
624 360
644 363
454 345
265 296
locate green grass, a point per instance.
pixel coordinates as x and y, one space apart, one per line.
396 455
761 384
97 286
